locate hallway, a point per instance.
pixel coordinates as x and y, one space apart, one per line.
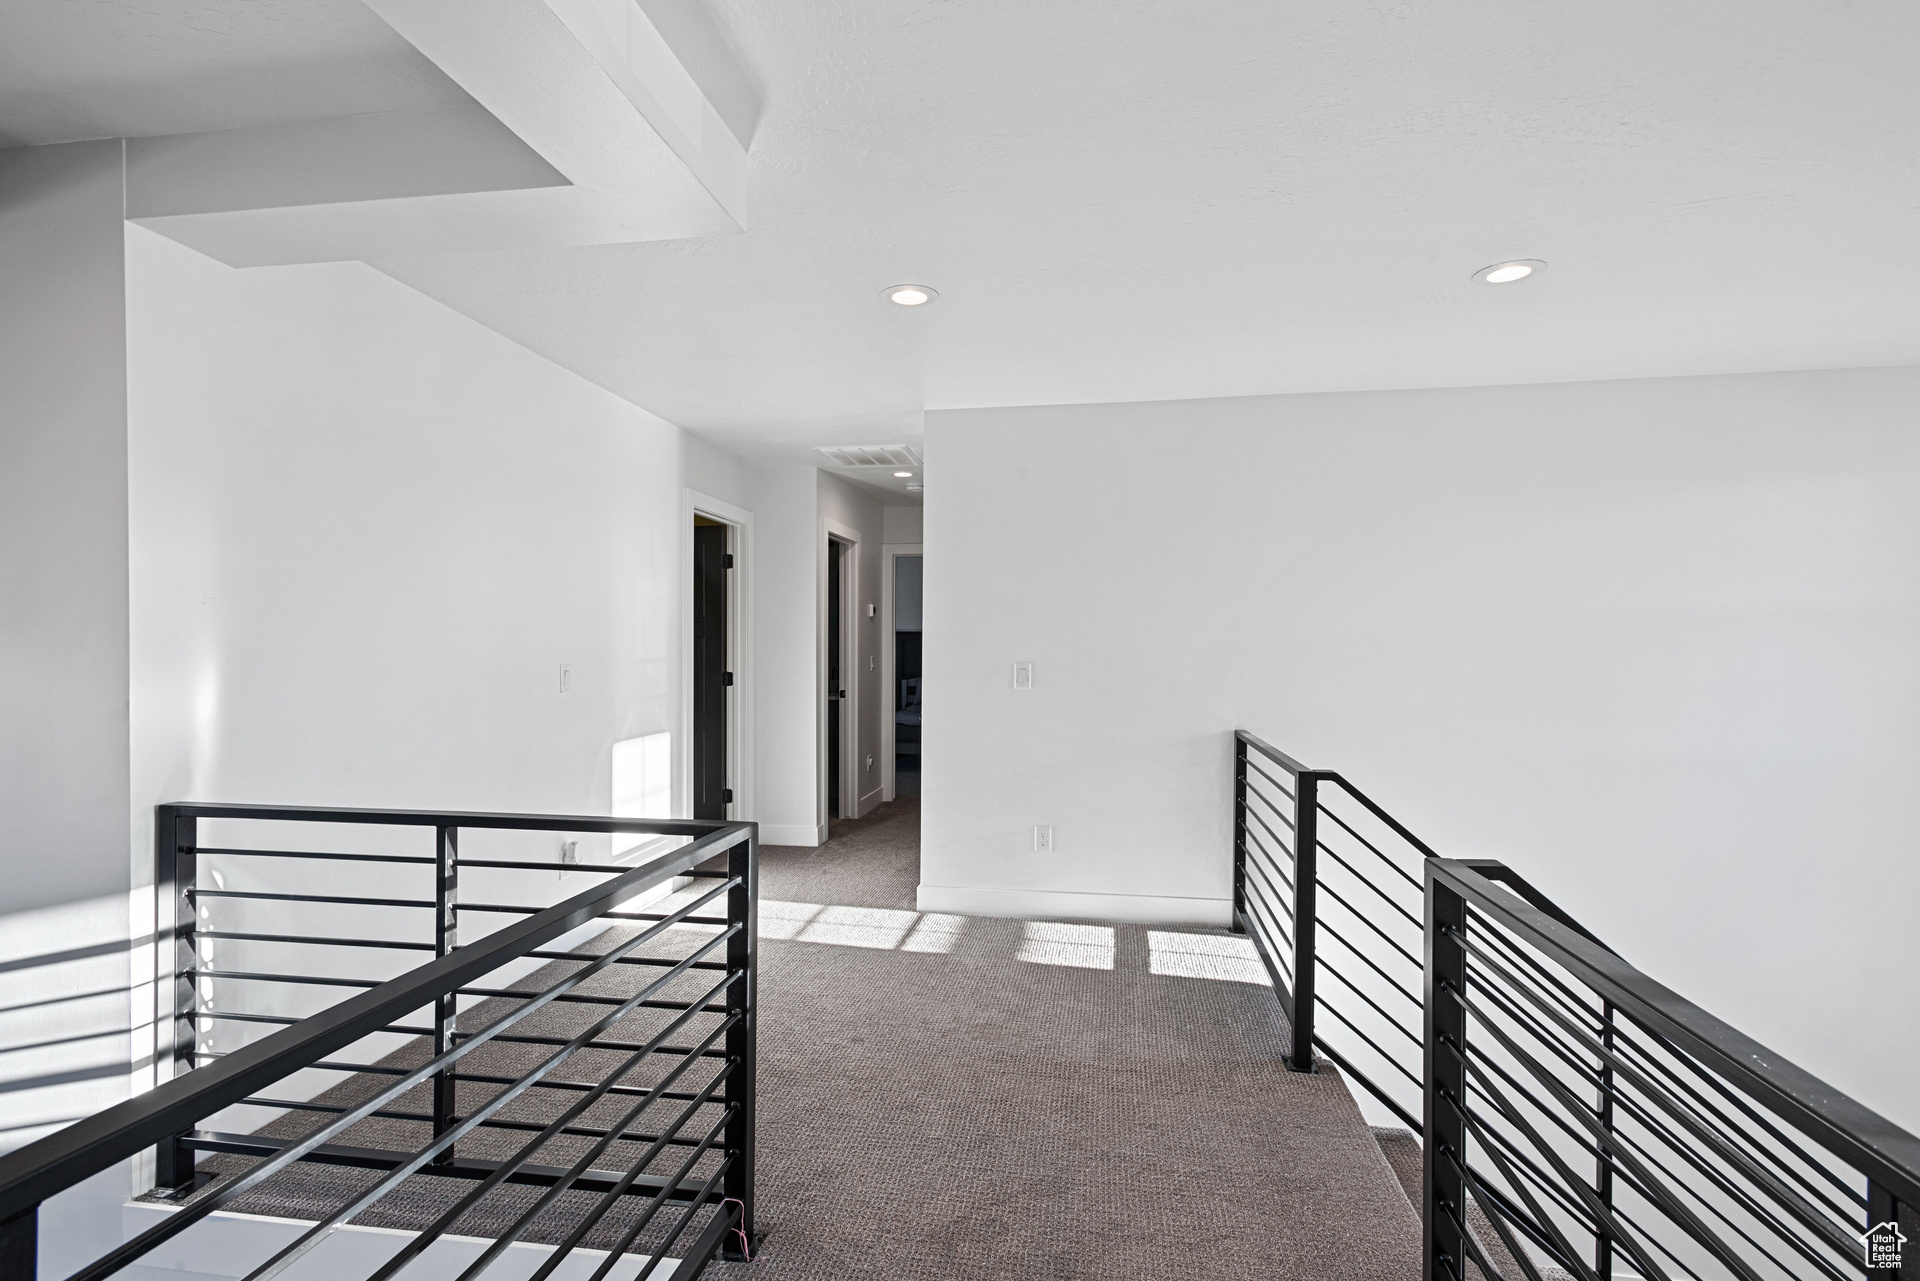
953 1097
947 1098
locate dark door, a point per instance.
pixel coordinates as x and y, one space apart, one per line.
835 693
710 674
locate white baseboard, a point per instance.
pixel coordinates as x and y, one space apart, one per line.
793 834
1055 905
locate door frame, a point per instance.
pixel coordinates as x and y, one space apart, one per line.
890 552
740 755
832 531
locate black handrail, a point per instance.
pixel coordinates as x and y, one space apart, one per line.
1849 1129
1334 776
1588 1054
1297 856
158 1118
1732 1153
1253 912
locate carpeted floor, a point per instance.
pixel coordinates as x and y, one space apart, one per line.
1403 1154
948 1098
866 862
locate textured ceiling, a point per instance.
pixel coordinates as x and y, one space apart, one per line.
74 69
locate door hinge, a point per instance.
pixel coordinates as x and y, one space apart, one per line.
729 564
726 796
726 678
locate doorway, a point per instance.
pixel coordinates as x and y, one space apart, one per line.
906 674
839 731
712 563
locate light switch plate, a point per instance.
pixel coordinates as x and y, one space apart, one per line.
1023 675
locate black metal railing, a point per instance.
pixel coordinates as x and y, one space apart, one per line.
1584 1118
611 1033
1577 1118
1329 887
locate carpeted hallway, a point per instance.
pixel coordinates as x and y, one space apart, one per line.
968 1099
947 1097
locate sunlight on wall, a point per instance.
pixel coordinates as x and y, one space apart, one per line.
1087 947
64 1015
1227 957
643 788
643 776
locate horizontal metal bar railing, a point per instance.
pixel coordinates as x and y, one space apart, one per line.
1300 857
317 854
1576 1116
166 1118
1601 1120
1845 1127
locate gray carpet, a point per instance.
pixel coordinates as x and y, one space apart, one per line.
1402 1151
866 862
959 1098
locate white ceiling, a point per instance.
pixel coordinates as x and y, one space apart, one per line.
75 69
1144 199
1138 199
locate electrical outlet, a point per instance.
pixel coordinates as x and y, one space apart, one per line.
569 854
1042 839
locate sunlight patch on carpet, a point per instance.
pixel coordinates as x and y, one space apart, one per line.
1226 957
1087 947
888 929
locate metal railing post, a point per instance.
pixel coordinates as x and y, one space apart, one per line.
1306 842
177 956
20 1246
1239 923
1443 1103
446 1009
1603 1173
1883 1207
743 952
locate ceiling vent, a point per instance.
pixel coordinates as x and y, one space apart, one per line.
871 455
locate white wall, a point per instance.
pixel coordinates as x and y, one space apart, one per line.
787 656
901 524
64 904
367 532
850 510
1651 642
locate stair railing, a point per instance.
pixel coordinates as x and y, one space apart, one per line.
688 1086
1328 885
1578 1119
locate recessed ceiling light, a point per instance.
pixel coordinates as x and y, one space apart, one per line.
1505 273
909 295
903 474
